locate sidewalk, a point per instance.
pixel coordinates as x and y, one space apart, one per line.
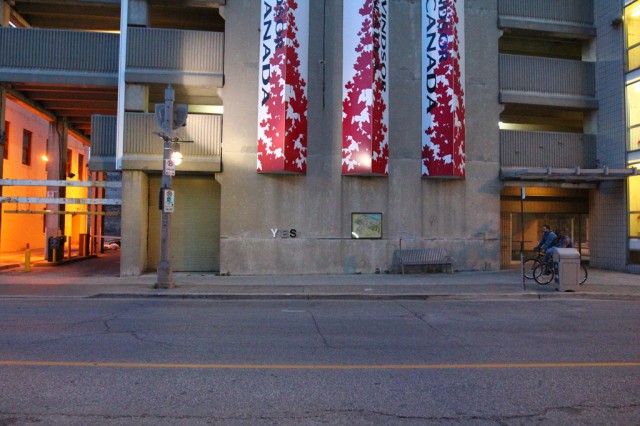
97 278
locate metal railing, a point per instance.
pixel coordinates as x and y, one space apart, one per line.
571 11
153 55
547 149
143 148
547 75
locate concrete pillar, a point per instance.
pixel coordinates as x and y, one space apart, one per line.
3 141
56 170
134 223
136 98
138 13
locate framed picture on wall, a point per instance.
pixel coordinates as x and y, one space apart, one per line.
366 225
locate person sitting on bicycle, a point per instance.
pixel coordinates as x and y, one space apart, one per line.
546 242
564 240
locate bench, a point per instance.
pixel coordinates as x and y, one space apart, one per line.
423 256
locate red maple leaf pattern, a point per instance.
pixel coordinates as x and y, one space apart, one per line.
282 131
443 150
365 147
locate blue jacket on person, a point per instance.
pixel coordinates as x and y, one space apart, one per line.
547 241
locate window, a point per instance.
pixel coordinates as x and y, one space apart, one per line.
632 27
69 163
26 147
6 140
634 206
633 115
80 167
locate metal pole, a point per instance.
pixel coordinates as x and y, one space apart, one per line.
165 273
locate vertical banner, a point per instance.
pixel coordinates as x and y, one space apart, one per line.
282 113
365 96
443 109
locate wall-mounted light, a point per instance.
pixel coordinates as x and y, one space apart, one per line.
616 22
71 175
45 158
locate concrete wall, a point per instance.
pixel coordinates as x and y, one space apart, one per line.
462 216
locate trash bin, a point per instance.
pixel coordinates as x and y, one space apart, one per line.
56 243
568 261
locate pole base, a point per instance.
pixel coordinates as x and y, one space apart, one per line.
164 285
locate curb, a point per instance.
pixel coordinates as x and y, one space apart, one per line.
368 297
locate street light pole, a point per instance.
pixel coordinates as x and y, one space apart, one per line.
165 272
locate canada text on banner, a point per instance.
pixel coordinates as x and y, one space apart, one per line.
282 113
365 100
443 107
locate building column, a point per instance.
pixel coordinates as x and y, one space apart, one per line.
138 13
134 223
136 98
56 170
3 140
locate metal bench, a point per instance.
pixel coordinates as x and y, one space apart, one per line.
423 256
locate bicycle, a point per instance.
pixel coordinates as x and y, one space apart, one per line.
531 263
545 272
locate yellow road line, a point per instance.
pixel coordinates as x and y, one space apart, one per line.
320 366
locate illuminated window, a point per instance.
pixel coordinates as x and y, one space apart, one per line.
26 147
634 206
633 115
632 30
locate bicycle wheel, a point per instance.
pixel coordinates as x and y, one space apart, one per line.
529 266
584 274
539 274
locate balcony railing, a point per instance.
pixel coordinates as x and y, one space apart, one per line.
547 149
76 57
58 56
175 56
547 81
143 149
572 11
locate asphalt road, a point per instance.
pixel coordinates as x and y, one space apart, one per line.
199 362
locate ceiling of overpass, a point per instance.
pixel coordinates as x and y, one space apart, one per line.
78 103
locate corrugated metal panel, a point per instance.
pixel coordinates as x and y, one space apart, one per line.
576 11
58 50
103 143
186 51
195 224
547 75
204 130
547 149
103 135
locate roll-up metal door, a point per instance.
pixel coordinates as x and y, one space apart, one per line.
195 224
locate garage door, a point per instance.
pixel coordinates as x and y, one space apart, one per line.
195 224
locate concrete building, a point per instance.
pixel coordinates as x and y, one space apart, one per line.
38 147
327 134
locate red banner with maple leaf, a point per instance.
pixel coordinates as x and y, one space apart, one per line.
365 110
282 113
443 107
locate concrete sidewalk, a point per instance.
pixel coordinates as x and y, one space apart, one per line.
91 278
